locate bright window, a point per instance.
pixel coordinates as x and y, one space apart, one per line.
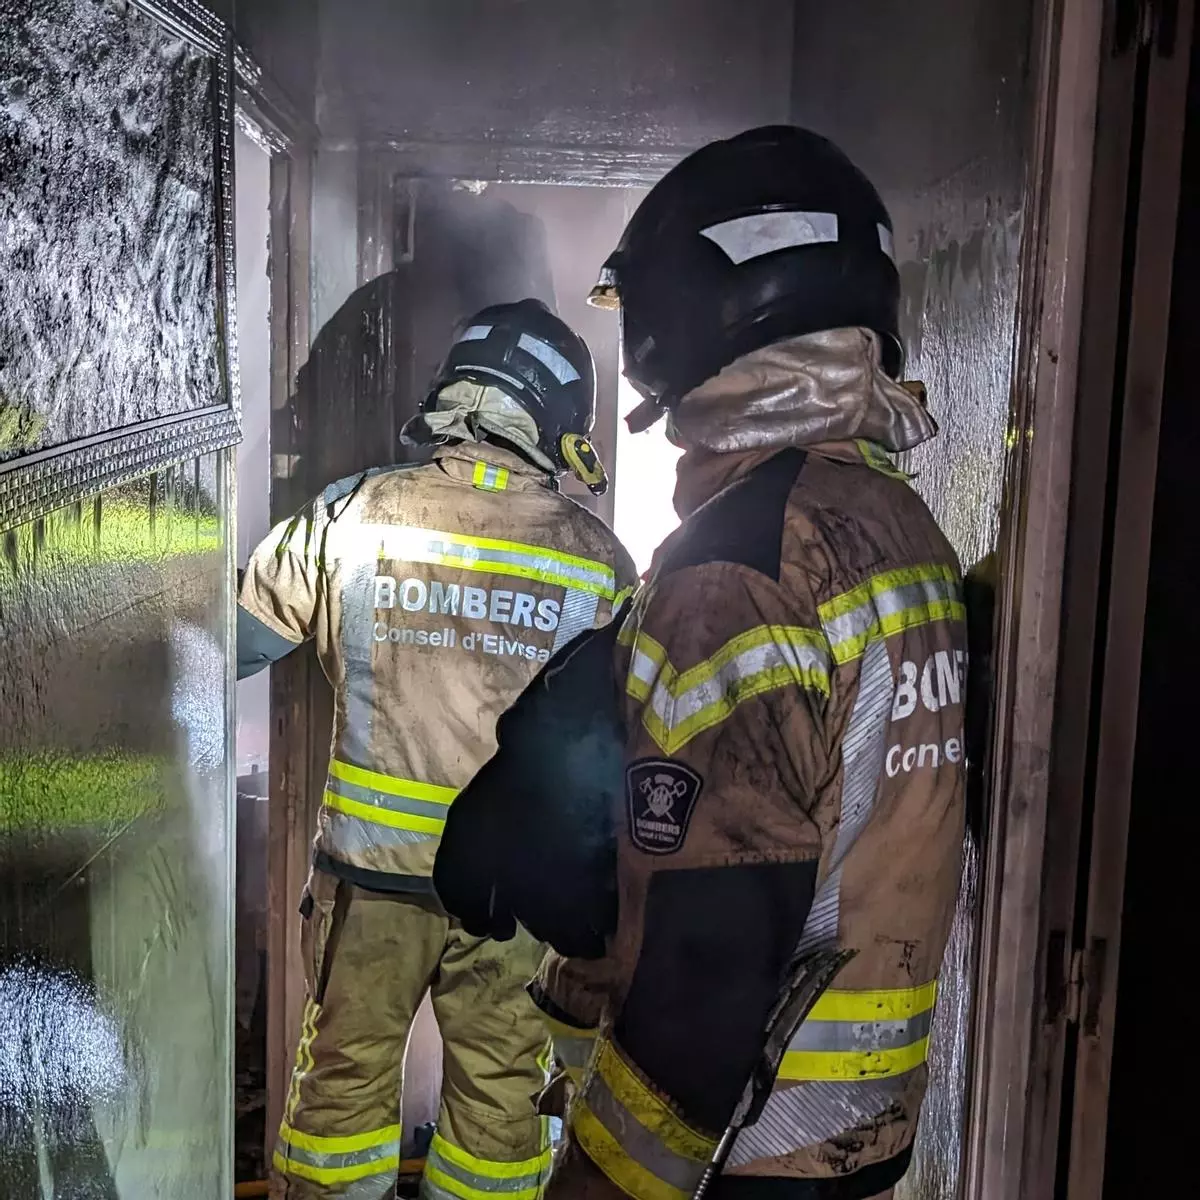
643 513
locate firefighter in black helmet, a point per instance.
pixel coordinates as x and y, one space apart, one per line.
516 359
787 802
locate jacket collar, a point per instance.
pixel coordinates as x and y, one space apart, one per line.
825 392
468 461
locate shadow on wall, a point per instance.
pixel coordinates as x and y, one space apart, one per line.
372 361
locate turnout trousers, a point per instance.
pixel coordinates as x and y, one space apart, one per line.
369 959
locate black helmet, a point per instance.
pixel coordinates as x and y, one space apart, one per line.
545 366
771 234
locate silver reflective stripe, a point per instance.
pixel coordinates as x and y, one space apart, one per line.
858 1036
362 1189
637 1141
887 243
491 478
643 668
385 1156
348 838
574 1052
812 1113
385 800
543 564
862 620
744 238
358 622
477 1181
475 333
673 711
549 357
863 749
411 544
578 613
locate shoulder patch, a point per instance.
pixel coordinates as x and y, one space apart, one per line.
660 795
742 524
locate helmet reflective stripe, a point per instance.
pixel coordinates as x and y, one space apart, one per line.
752 236
546 354
803 249
524 351
517 384
476 333
886 242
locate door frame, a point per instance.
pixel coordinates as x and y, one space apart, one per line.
1145 80
1008 1104
1092 331
266 113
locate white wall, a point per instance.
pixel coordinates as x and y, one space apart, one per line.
252 229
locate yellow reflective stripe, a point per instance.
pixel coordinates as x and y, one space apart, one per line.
878 459
627 1173
885 1004
885 582
763 659
646 663
621 597
489 477
388 1165
649 1110
888 604
339 1145
492 555
304 1056
456 1187
392 785
333 1160
794 636
488 1166
827 1065
384 816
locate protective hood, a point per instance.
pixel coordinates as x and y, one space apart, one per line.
468 412
822 387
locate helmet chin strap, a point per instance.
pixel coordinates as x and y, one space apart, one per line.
648 413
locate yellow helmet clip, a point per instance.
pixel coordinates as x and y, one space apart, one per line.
580 456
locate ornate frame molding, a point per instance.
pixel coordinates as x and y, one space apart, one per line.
36 484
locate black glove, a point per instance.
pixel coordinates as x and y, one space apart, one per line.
531 837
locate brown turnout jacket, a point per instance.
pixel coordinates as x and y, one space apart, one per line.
794 676
434 593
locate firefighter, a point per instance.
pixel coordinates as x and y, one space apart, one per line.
433 592
789 801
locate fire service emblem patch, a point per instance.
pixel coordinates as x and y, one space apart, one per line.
660 795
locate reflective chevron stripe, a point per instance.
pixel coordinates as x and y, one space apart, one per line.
890 603
680 705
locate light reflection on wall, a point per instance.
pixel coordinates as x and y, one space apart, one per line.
59 1050
644 483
